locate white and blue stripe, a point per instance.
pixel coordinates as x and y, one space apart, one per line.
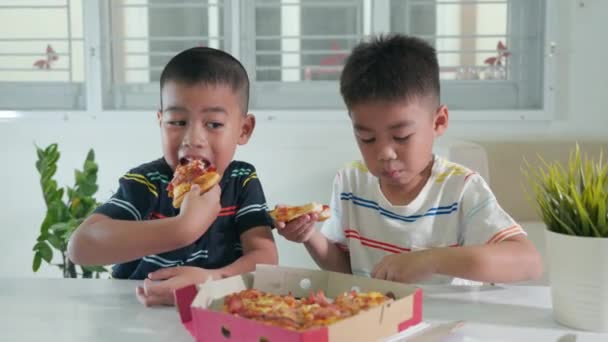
362 202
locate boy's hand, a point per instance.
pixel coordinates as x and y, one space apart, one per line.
160 285
300 229
200 210
408 267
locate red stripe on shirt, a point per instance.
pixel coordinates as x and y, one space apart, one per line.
231 208
365 243
469 175
349 233
157 215
358 236
226 213
505 233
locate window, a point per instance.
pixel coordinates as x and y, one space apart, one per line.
45 59
295 50
491 52
142 35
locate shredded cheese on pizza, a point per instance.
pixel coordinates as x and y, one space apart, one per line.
299 314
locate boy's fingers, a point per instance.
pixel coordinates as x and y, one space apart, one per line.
377 268
163 273
141 296
147 300
152 288
302 233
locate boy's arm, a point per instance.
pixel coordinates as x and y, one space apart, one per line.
497 263
324 252
511 260
258 248
327 254
100 240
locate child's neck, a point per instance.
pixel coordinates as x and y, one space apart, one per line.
406 193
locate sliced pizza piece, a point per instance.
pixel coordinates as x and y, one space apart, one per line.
290 213
194 171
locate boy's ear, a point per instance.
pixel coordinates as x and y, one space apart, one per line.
159 117
247 126
440 121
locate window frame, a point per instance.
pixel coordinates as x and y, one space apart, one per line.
235 20
63 96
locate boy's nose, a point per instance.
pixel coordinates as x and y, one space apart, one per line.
386 152
195 137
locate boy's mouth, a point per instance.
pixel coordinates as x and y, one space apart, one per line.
392 173
187 159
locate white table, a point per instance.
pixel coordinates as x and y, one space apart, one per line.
107 310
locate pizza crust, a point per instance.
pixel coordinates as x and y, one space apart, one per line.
290 213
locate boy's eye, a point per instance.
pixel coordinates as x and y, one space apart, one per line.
215 125
177 122
367 141
401 139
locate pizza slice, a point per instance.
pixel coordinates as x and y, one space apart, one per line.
194 171
290 213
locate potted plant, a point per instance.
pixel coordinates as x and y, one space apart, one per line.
573 202
64 214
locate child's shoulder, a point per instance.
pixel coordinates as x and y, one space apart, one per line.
450 173
356 174
238 168
156 171
158 165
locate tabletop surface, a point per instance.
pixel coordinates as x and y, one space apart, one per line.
107 310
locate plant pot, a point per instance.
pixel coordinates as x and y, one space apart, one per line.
578 274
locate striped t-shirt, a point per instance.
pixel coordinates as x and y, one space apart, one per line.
142 195
455 208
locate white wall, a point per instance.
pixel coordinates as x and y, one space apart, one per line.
294 158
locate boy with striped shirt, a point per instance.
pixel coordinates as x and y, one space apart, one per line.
223 232
404 214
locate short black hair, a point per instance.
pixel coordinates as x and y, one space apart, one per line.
390 67
205 65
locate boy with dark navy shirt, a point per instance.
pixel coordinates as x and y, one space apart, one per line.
222 232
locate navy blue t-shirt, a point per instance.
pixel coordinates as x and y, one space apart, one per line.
142 195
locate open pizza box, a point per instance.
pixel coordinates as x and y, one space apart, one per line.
200 307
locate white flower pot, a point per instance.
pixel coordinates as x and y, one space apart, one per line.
578 274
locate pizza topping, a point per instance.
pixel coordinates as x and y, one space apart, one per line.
299 314
187 171
290 213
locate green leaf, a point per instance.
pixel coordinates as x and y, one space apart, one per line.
48 172
99 269
44 250
37 262
51 149
90 156
56 242
88 189
79 176
59 227
90 167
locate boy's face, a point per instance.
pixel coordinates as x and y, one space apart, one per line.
396 138
204 122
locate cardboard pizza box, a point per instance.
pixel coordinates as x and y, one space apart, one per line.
200 307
